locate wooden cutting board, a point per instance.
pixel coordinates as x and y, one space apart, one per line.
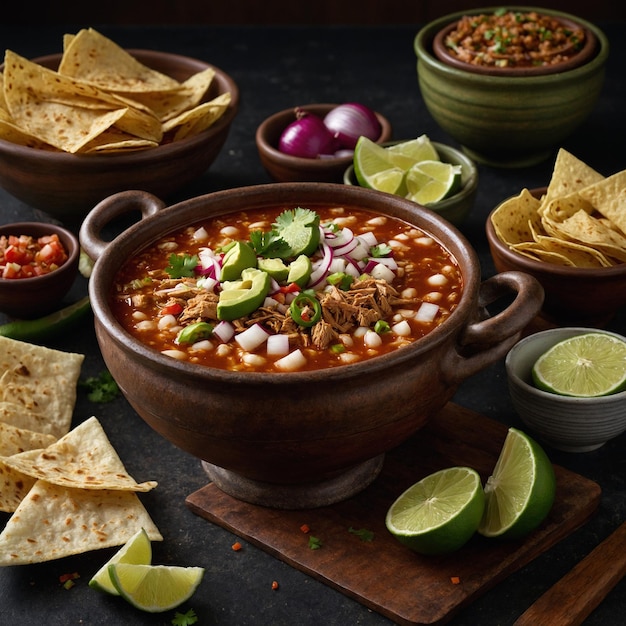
427 590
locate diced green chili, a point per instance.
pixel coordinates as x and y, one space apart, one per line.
305 309
381 327
195 332
341 280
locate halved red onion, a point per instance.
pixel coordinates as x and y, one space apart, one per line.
351 120
307 137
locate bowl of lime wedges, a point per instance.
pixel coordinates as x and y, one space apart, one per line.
568 385
431 174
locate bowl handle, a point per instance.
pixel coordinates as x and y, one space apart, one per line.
489 338
107 210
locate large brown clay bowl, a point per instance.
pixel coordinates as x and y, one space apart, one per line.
299 439
34 297
67 186
573 295
283 167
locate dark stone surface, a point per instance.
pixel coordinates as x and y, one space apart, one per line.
276 68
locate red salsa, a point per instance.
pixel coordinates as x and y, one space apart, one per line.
23 256
238 292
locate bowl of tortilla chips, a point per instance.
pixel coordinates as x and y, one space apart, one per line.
96 119
571 236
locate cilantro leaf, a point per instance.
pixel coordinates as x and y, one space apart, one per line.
268 244
315 543
381 250
101 388
182 265
362 533
185 619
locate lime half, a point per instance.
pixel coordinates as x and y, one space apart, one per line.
587 365
520 492
155 588
440 513
432 181
137 549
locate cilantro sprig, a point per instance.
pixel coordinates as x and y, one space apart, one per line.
182 265
101 388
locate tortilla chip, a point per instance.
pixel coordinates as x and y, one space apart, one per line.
515 219
82 459
14 440
608 197
53 522
193 122
559 209
91 57
583 228
569 175
21 417
41 381
14 486
114 140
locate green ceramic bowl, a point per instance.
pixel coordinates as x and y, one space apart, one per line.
508 121
455 208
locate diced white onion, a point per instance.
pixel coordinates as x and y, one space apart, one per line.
382 272
229 231
360 331
369 238
207 283
224 331
251 338
292 362
278 345
427 312
402 329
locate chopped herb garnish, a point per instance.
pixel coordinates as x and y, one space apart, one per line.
101 388
381 250
314 543
185 619
362 533
182 265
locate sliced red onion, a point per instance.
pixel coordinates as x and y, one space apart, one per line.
321 266
350 121
307 137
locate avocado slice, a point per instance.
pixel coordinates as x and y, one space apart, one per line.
239 298
275 268
238 257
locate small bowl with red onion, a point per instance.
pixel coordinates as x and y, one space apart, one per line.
315 142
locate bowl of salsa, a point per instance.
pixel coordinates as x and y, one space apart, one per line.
290 334
38 265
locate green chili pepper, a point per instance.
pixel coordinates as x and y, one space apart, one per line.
305 309
381 327
195 332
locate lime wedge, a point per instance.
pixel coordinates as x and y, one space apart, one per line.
520 492
432 181
137 549
440 513
585 366
407 153
374 169
155 588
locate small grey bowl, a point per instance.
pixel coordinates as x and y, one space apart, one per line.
457 207
564 422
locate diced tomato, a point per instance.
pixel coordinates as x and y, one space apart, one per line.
24 256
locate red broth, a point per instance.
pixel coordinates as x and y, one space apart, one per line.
400 296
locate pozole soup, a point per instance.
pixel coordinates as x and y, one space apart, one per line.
281 289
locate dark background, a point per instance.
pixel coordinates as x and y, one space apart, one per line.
321 12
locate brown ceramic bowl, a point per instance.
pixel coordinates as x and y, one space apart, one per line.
34 297
573 296
67 185
285 168
586 52
299 439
